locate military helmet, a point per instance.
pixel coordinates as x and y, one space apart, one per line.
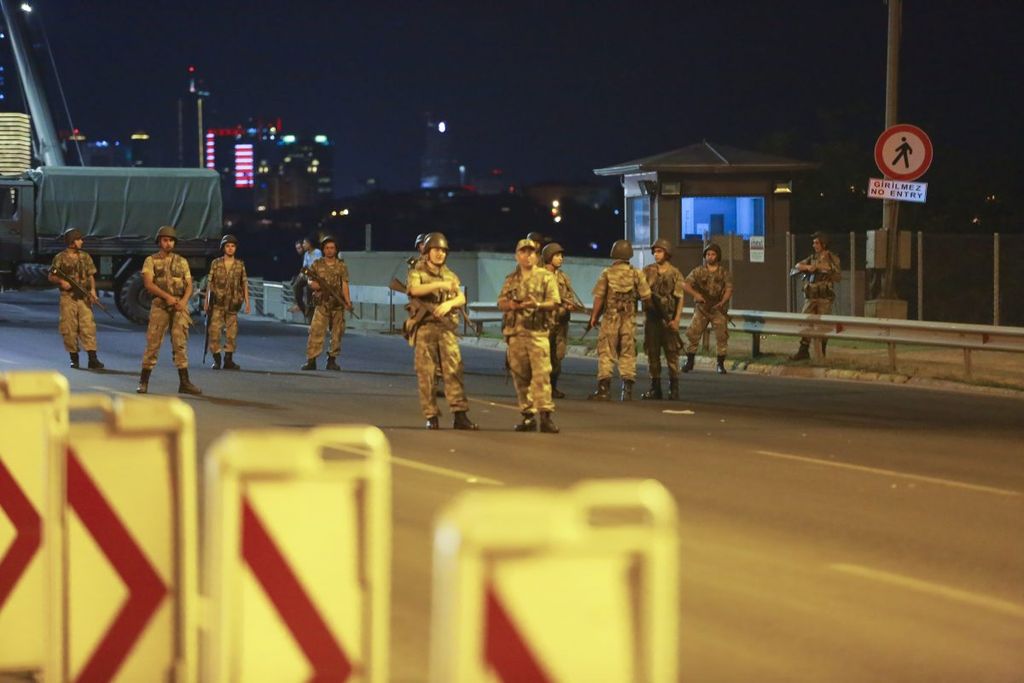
72 234
420 239
622 250
713 247
435 240
166 231
550 250
821 237
228 239
662 244
327 238
537 238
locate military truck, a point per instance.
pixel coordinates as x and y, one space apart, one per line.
119 211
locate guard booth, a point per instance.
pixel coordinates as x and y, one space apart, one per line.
714 193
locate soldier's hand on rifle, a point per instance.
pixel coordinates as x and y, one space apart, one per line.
314 285
673 324
442 309
699 300
65 285
248 308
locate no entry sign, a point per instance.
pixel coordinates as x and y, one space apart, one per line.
903 152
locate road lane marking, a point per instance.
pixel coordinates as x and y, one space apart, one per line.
9 362
445 472
108 390
929 588
893 473
494 404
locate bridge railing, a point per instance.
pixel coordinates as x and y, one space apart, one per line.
890 332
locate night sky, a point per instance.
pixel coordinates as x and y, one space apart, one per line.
546 90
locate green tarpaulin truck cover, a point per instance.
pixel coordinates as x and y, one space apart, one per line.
127 202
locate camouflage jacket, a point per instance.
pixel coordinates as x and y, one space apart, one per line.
564 293
227 286
666 290
170 273
711 284
540 286
334 273
423 273
620 285
820 283
78 267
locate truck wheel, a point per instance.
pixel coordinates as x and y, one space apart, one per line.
33 274
133 300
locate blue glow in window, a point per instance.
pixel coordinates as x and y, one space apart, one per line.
638 214
711 216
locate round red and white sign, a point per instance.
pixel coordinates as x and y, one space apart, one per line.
903 152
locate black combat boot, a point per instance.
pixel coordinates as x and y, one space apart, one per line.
688 365
94 362
432 423
143 387
627 390
673 388
332 364
604 386
802 352
654 394
74 360
229 362
310 364
720 368
216 361
555 393
185 385
529 423
461 421
547 425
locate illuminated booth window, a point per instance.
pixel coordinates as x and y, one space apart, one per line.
711 216
638 220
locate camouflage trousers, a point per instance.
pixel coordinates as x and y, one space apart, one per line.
221 319
702 317
529 360
160 318
323 319
616 345
435 345
76 322
658 338
815 307
558 338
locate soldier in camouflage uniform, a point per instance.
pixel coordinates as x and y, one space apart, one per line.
226 292
553 256
434 295
330 310
820 271
76 320
529 299
661 327
616 294
167 277
710 285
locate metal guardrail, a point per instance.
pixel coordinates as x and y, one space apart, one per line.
883 330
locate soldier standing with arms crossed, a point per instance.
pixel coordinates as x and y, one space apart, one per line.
821 271
529 298
616 294
434 295
553 256
76 319
167 277
331 303
710 285
661 327
226 292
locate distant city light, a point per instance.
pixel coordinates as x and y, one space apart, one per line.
558 219
321 139
616 212
140 136
442 127
555 204
25 7
287 139
343 212
593 246
243 165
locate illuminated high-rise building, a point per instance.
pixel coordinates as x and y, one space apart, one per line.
438 166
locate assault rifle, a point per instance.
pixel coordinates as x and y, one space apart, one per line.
79 289
655 308
419 310
209 311
330 291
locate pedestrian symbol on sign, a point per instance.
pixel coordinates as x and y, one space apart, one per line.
903 152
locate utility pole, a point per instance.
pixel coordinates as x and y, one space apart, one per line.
890 208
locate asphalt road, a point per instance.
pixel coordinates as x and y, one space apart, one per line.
829 531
